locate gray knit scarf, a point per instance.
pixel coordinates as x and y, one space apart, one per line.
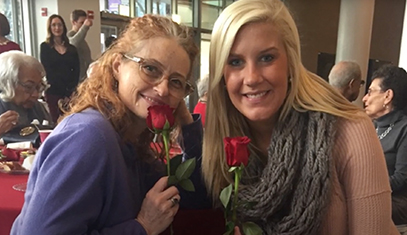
292 190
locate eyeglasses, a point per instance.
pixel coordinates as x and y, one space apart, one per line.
28 88
370 91
153 73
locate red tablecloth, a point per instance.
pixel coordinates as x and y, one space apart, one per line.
11 201
186 222
198 222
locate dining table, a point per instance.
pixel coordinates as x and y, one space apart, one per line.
11 200
186 222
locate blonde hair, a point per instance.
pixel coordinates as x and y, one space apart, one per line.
99 91
307 90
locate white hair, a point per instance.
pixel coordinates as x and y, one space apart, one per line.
202 85
11 62
343 72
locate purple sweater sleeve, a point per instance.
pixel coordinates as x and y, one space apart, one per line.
78 184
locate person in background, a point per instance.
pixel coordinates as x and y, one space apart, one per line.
91 68
80 27
346 77
109 41
108 181
5 43
200 107
61 62
384 103
22 83
315 165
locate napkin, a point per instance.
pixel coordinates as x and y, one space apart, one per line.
11 154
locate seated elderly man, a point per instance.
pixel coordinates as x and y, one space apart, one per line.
346 77
21 84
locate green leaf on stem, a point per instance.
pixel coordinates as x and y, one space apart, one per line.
174 163
225 195
250 228
230 226
186 168
187 185
232 169
166 125
172 180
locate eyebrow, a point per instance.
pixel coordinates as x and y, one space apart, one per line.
29 81
269 49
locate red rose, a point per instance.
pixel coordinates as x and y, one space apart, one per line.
236 150
158 115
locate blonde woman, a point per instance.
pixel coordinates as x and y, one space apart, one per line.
316 166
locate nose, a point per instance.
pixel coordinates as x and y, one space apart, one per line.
252 74
364 99
162 88
35 94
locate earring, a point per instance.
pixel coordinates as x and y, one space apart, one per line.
115 85
385 106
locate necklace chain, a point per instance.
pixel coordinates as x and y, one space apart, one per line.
384 134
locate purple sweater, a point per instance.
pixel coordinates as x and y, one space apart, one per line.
80 182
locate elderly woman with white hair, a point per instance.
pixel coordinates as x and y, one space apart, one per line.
21 84
202 92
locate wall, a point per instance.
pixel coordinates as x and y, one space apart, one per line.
317 22
185 11
403 48
387 30
65 7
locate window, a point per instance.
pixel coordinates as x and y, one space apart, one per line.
162 7
185 12
140 8
14 16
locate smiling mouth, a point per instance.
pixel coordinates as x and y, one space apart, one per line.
152 101
257 95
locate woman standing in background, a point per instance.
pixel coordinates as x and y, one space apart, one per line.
61 63
5 44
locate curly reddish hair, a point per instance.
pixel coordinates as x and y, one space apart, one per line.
98 91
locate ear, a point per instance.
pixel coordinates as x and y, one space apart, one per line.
389 94
116 65
351 83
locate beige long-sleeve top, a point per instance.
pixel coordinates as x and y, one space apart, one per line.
361 196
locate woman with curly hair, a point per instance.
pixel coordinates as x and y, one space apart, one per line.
96 173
